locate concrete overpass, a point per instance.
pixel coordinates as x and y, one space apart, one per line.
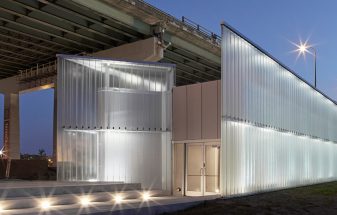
32 32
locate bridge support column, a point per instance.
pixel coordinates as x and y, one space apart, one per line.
9 87
12 126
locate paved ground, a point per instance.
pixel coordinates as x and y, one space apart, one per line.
316 199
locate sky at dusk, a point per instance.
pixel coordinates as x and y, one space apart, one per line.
273 25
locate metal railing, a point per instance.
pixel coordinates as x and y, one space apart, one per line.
184 23
202 30
38 72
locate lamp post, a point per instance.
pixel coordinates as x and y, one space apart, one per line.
303 48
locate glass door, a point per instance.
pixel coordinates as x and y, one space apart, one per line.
202 168
194 169
211 170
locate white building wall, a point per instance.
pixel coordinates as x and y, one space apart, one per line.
114 121
277 131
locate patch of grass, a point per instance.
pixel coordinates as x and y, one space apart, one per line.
328 189
314 199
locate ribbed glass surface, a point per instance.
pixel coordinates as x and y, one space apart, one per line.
277 131
114 121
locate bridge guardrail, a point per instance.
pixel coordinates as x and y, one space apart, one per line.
184 22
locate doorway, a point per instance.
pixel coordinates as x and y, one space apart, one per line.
202 168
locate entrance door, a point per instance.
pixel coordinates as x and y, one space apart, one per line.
202 169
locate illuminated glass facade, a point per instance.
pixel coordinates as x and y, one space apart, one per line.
277 130
114 121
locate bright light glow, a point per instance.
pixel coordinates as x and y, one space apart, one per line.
92 180
303 48
118 198
146 196
2 151
217 190
45 204
85 201
1 209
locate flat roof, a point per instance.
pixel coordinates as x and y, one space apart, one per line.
148 63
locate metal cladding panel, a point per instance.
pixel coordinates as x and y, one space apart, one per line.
277 131
209 109
194 112
113 121
179 116
218 118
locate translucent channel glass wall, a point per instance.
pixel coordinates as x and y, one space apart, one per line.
277 131
114 121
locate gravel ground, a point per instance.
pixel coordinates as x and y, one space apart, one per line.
315 199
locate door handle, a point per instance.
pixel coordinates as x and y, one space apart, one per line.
202 170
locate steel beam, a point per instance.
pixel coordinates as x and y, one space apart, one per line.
50 41
14 58
16 53
11 62
192 60
202 79
190 47
116 38
62 30
115 14
43 31
191 67
24 48
28 42
101 22
5 65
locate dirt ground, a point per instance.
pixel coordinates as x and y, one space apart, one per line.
316 199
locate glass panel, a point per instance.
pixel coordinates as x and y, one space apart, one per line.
114 121
194 183
212 184
277 130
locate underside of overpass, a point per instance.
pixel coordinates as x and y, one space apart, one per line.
32 32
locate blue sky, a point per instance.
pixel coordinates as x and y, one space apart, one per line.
270 24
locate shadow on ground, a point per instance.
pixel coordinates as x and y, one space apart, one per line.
316 199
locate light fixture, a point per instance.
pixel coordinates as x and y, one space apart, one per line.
85 201
217 190
45 204
304 48
146 196
118 198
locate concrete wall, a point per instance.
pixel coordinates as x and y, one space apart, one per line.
196 111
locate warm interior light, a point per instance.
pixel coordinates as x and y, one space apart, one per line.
146 196
217 190
85 201
45 204
118 198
